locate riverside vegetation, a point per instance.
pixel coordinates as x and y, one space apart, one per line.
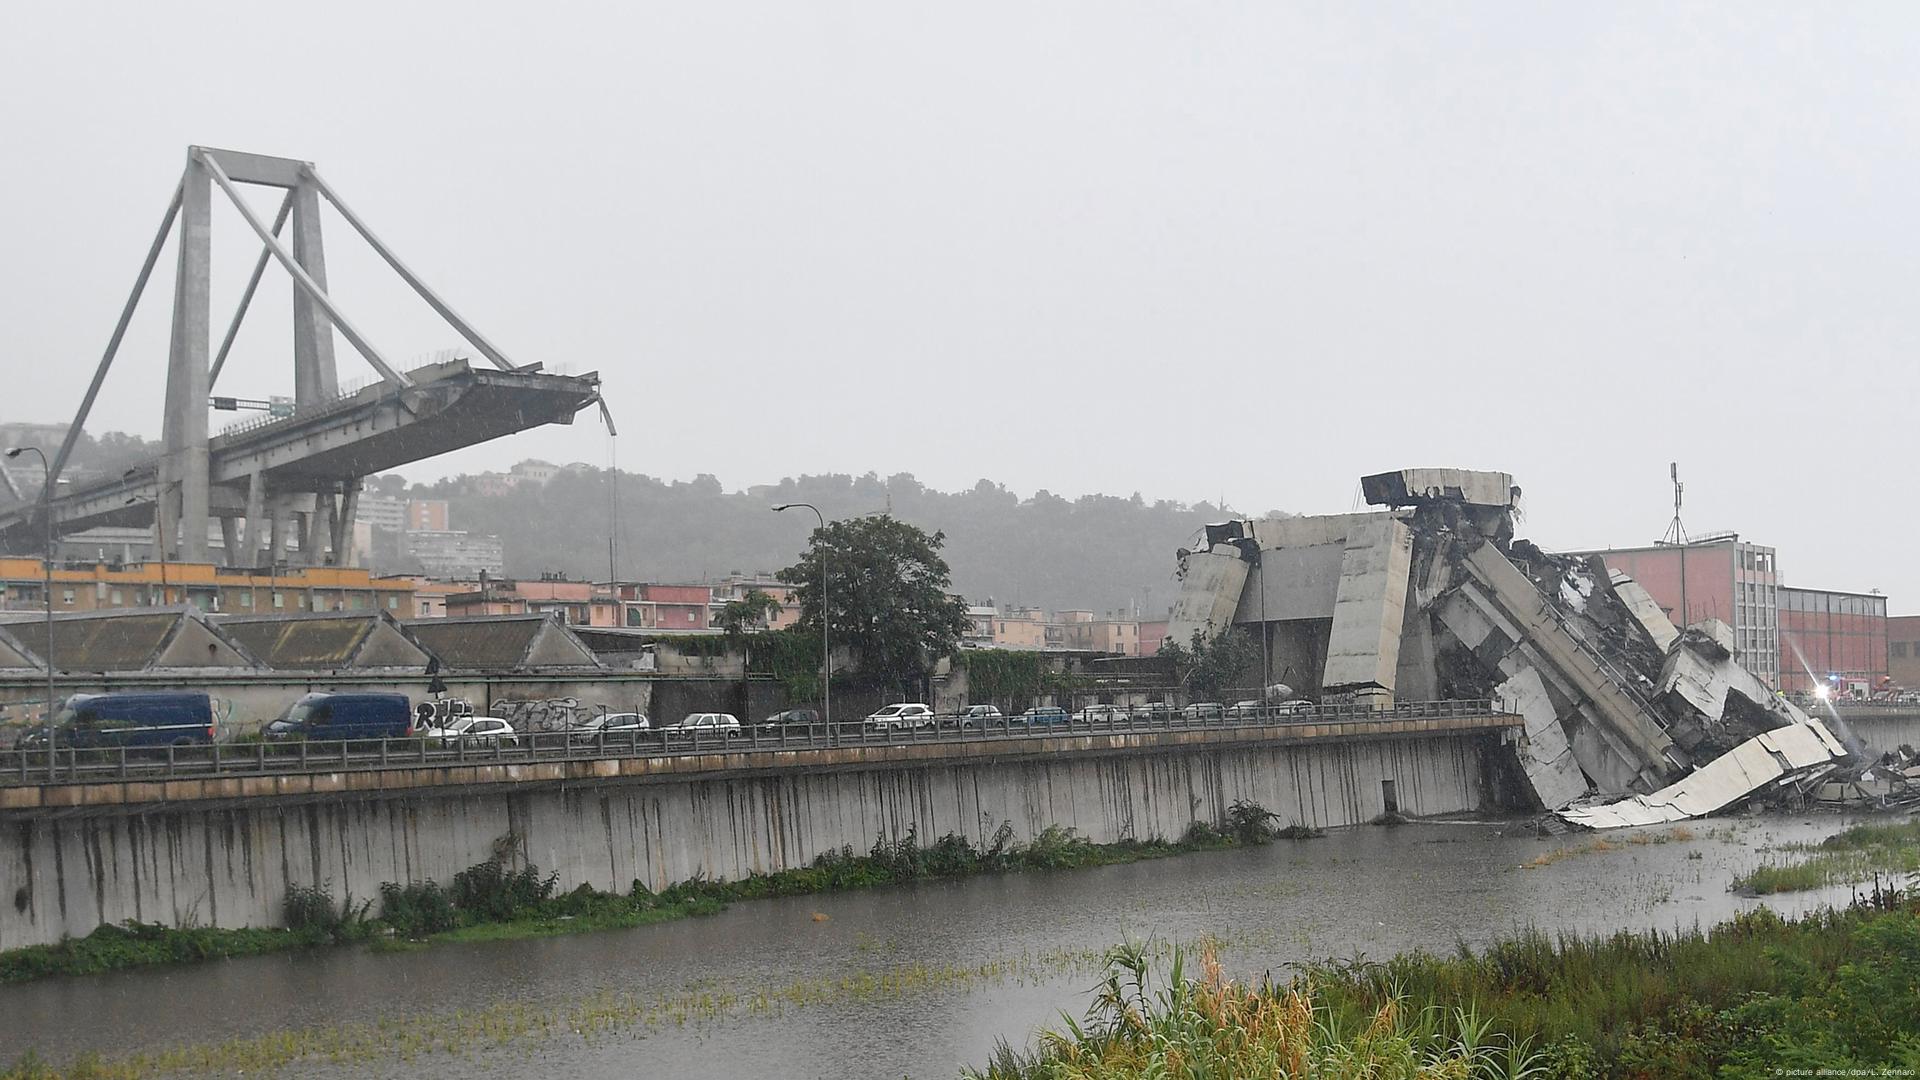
1848 857
1833 993
493 900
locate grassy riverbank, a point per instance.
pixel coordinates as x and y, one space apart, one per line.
1758 996
492 901
1854 855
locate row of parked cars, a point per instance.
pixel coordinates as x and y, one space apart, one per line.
918 716
188 718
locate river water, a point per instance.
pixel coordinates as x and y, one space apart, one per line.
915 981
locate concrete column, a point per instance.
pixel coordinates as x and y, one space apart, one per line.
256 517
343 525
187 362
276 534
314 376
313 546
230 538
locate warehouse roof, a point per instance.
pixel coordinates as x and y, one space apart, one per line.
502 643
131 639
327 641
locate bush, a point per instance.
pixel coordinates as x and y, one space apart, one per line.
1249 822
491 892
417 909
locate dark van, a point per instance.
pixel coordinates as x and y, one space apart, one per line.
346 716
158 718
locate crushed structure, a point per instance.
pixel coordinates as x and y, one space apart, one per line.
1433 598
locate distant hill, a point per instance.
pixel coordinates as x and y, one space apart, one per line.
1098 551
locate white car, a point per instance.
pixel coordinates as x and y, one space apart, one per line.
1100 714
489 731
620 724
717 723
980 716
445 734
906 715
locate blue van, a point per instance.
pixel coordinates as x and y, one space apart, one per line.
156 718
345 716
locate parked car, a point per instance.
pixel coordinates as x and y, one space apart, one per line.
979 716
355 715
446 733
907 715
610 725
1099 714
489 731
156 718
716 723
790 718
1043 716
1203 710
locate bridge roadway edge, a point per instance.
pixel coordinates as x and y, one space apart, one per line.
227 859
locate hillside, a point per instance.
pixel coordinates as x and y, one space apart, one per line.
1097 551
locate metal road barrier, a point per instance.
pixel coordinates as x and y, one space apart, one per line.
31 766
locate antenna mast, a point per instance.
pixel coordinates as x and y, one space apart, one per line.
1676 532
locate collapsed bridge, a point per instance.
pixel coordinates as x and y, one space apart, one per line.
291 478
1433 598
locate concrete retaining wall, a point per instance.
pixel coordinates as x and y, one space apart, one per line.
1885 732
232 864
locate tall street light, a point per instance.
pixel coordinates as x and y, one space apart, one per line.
46 565
826 649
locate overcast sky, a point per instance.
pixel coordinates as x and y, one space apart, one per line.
1189 250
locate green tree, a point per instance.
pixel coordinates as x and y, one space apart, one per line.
888 589
753 611
1208 667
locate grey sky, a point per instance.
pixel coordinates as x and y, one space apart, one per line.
1186 250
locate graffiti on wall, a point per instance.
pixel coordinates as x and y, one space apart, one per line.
547 714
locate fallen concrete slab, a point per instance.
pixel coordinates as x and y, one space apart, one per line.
1765 761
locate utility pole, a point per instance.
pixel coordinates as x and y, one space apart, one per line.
826 647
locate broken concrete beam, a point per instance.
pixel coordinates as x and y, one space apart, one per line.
1363 649
1644 610
1766 760
1210 585
1420 487
1625 725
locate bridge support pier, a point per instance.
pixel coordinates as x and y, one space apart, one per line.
185 468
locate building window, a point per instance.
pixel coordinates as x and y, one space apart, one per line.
66 597
246 599
393 603
118 599
279 600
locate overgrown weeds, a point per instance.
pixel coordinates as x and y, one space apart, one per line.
1150 1023
1848 857
1833 993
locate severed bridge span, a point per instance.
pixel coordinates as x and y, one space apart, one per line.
284 487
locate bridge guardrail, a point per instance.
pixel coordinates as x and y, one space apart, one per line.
67 765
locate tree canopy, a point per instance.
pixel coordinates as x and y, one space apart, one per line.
888 596
1101 552
1211 666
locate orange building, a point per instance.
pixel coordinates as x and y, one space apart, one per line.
107 586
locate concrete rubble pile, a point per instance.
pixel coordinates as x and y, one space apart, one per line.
1629 719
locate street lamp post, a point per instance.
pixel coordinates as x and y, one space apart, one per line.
826 648
46 565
